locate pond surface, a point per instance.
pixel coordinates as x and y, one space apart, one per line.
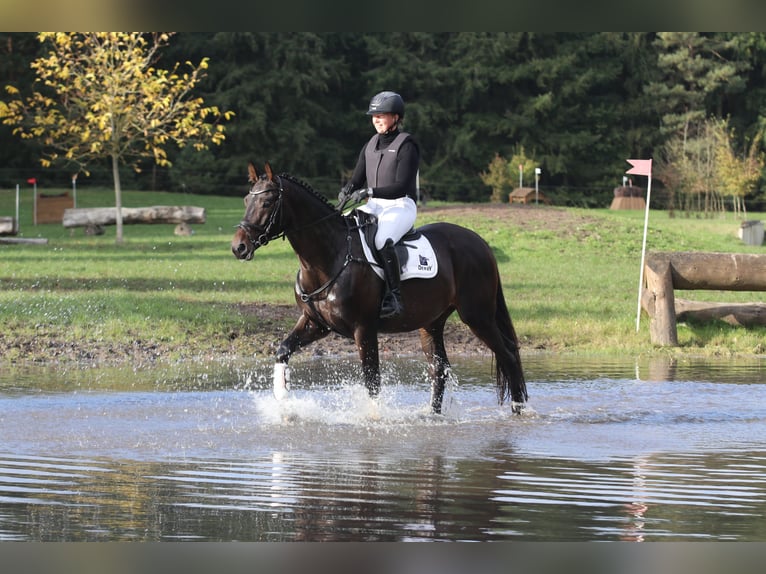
647 449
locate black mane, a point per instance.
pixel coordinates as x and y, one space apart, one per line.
307 187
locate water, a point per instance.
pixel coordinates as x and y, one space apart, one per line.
618 450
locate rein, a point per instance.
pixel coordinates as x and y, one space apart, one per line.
312 296
268 235
265 237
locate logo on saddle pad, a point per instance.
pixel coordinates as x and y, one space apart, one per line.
420 263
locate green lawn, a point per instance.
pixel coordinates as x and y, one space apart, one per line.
570 287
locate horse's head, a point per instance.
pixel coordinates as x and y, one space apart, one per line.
263 213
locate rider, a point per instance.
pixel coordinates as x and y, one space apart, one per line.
386 173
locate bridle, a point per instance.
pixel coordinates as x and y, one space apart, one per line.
265 234
268 233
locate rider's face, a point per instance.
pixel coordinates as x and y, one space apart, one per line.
383 122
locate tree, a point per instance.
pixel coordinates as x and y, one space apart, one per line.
697 71
498 178
17 50
101 96
736 176
703 167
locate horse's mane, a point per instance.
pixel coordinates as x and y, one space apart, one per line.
307 187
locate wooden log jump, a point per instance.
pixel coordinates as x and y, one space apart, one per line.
664 272
99 216
9 226
50 208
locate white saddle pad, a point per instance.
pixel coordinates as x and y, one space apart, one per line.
421 263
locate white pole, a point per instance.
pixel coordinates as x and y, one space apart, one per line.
417 186
17 207
537 179
643 251
521 175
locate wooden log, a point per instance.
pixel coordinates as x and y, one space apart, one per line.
80 217
741 314
24 240
717 271
658 299
8 226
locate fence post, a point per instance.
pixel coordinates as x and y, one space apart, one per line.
660 301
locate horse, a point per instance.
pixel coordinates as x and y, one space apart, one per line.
338 291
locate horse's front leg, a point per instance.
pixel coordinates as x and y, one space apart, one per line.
367 345
306 331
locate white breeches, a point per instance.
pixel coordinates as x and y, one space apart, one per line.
395 217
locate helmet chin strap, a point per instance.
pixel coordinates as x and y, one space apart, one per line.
393 127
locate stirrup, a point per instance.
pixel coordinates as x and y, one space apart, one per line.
391 306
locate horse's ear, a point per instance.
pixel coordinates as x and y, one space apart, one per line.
252 175
269 173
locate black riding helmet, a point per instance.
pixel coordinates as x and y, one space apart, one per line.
386 103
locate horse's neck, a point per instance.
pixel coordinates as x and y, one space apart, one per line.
316 235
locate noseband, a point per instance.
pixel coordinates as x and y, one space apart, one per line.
265 234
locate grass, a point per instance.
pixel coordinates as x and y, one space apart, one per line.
570 278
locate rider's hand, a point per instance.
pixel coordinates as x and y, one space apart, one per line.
360 195
344 194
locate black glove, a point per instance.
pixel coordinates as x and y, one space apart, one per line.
360 195
344 194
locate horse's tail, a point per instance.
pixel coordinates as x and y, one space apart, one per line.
508 371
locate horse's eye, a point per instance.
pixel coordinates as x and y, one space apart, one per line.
267 202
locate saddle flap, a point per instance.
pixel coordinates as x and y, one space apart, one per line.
368 225
416 255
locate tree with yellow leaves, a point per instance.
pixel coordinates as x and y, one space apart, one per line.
99 95
502 174
737 175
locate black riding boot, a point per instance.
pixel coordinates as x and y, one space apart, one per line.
392 300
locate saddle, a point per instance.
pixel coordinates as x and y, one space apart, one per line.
415 252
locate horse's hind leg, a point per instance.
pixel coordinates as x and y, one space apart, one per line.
432 342
495 329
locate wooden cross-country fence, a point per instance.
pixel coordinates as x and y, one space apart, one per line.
666 271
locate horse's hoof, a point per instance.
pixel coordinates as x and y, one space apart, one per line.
517 408
281 381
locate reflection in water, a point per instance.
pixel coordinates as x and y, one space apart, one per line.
286 497
604 452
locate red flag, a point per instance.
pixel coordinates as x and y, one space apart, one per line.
32 180
640 167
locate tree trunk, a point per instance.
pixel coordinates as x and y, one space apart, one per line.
117 197
742 314
715 271
84 216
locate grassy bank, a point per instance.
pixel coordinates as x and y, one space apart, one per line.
570 277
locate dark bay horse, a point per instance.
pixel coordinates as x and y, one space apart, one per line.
338 291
